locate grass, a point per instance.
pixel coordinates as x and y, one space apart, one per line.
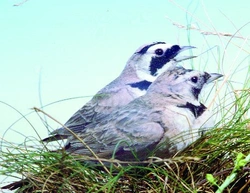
216 162
45 171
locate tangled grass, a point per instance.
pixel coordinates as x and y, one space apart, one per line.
204 166
215 153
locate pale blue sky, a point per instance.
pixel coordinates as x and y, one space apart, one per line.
77 47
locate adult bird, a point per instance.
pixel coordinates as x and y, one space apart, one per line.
159 123
143 67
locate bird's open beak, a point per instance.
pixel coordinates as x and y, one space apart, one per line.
213 77
181 58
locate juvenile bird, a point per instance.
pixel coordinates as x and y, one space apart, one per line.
158 123
143 67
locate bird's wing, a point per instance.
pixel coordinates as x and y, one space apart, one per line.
97 109
106 142
124 132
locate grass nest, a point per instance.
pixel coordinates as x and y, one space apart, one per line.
219 161
204 166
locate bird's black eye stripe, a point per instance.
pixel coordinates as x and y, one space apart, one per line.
159 52
196 92
194 79
175 49
170 53
159 61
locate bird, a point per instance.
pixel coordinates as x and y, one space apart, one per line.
142 68
159 123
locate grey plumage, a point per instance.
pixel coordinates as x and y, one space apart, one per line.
143 67
159 122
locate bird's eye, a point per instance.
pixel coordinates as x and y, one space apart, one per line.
159 52
194 79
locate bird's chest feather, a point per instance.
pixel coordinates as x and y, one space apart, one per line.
178 131
177 119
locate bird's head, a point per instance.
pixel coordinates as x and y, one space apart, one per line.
185 83
151 60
